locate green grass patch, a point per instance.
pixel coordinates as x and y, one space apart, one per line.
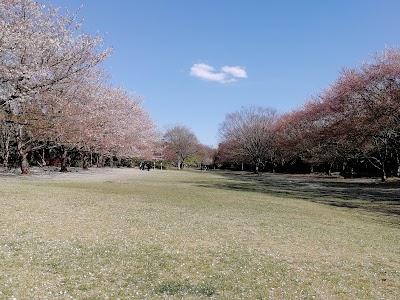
127 234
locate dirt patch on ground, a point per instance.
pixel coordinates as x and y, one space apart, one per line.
73 174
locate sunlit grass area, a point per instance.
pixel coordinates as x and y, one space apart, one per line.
130 234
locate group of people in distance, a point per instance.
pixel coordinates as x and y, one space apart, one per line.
144 166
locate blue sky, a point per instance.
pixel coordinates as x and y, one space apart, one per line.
195 61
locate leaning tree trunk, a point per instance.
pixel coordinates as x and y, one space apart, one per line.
380 164
383 176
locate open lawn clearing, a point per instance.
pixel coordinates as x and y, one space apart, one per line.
130 234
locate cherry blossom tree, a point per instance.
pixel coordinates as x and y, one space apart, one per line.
106 120
293 137
380 99
356 118
364 108
126 128
42 53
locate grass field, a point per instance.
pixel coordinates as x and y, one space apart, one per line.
130 234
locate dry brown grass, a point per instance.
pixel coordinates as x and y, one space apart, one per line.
130 234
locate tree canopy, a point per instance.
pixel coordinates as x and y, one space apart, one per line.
54 92
352 123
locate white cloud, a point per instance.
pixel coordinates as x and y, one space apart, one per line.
227 74
206 72
238 72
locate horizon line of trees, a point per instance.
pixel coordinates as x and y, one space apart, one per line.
354 125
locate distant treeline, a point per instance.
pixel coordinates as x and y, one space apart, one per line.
352 127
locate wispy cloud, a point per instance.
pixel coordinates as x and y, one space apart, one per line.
225 75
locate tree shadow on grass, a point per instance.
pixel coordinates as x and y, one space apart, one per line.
366 194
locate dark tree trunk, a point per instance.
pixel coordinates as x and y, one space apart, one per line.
100 161
383 176
24 162
23 153
6 154
64 160
85 162
6 140
257 168
380 165
111 161
43 160
274 165
328 170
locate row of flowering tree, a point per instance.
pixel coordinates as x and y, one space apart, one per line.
54 93
353 123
